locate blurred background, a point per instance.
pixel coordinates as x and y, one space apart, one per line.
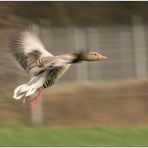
104 103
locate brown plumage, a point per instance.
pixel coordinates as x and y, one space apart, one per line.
43 68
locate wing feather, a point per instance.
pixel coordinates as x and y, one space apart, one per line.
27 49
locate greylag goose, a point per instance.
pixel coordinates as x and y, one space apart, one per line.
43 68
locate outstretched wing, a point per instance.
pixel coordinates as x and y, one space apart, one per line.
27 49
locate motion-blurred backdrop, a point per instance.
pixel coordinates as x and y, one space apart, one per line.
107 93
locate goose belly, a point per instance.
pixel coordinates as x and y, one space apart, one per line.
54 75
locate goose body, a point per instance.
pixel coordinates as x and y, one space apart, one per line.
42 67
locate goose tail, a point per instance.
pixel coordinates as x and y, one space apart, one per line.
23 90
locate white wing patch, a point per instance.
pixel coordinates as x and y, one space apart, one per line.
31 42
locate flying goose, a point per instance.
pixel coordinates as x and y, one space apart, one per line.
43 68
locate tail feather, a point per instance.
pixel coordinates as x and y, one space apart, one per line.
23 90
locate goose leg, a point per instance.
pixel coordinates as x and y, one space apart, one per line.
35 100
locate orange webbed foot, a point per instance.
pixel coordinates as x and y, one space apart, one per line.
35 100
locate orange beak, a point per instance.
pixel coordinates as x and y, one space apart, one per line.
101 57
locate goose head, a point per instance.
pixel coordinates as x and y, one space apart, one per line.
93 56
